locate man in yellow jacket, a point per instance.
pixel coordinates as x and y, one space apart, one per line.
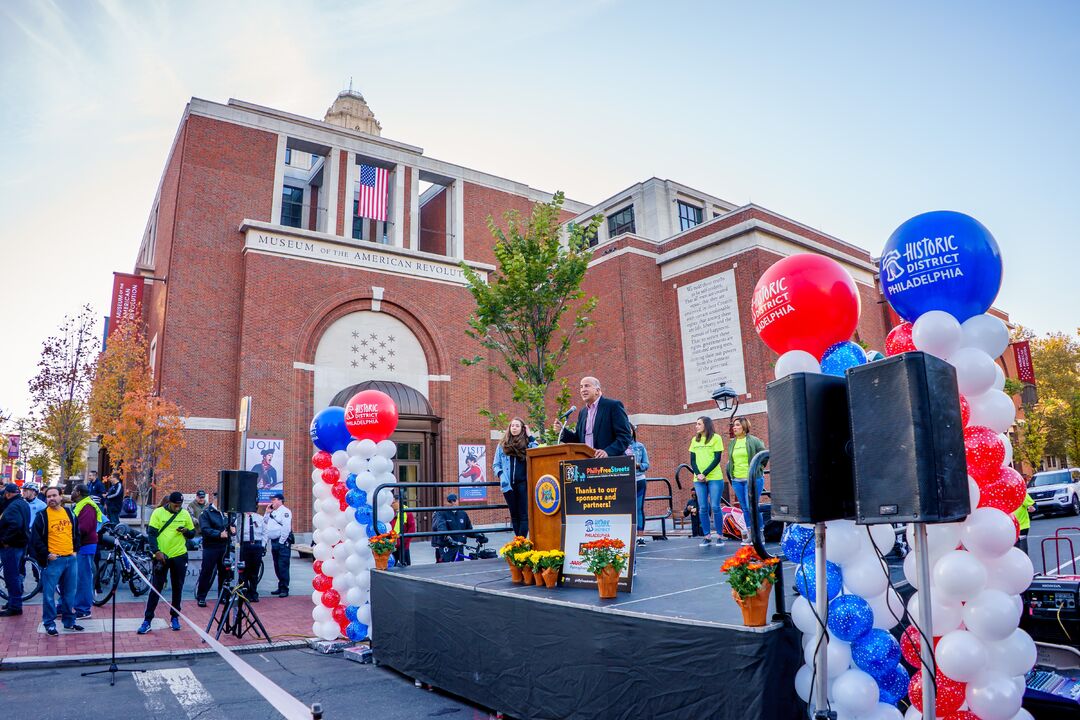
1024 520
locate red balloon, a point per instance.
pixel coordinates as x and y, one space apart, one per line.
339 615
321 582
342 505
322 460
899 340
317 565
371 414
985 452
331 475
804 302
949 697
339 490
1005 492
909 645
331 598
965 411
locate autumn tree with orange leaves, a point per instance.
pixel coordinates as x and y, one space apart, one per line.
140 429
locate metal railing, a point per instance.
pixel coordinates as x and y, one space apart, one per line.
400 552
669 513
757 533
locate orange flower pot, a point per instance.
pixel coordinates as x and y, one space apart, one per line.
538 577
551 577
527 575
381 560
607 582
515 572
755 608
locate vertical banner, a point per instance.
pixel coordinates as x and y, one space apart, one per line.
13 446
471 469
1024 367
127 296
265 457
599 499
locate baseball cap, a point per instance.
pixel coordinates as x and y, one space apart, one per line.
280 496
200 493
176 497
451 498
11 488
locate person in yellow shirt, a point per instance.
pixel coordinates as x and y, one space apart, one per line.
743 448
54 539
706 447
170 527
1023 519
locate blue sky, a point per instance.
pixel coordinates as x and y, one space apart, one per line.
847 116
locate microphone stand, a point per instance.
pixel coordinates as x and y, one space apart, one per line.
113 667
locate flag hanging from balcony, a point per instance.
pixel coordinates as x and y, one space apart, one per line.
373 192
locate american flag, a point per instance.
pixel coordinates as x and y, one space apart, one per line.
373 187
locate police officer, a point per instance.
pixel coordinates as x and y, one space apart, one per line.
252 548
278 523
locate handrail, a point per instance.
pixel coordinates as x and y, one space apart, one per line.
1057 538
678 470
670 504
757 464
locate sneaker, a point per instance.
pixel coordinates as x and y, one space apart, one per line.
82 615
51 631
706 542
641 541
74 628
201 603
175 624
276 592
144 628
284 594
10 612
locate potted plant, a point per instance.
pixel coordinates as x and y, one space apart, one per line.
551 562
605 558
517 545
381 547
535 558
751 580
523 560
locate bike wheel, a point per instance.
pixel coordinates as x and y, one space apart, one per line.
146 566
32 579
106 580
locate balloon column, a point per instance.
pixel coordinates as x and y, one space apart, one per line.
354 457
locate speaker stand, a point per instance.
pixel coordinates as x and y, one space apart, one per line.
820 690
235 615
926 627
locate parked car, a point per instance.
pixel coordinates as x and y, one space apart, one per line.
1056 491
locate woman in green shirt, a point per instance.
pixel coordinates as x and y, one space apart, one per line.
744 447
706 447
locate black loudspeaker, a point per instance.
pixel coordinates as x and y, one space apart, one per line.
908 441
809 440
238 491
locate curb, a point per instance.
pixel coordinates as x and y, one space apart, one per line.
61 661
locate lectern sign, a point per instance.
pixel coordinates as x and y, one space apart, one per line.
599 500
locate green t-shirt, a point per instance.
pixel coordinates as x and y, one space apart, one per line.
171 542
704 451
740 460
1023 518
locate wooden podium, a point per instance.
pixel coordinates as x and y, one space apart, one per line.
545 531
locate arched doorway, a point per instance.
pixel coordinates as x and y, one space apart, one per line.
416 437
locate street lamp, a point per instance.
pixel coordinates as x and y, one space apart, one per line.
726 399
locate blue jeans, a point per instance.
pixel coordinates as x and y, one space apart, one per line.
709 497
63 573
739 486
11 561
641 504
84 590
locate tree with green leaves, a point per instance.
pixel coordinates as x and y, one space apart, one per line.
61 388
532 310
1056 359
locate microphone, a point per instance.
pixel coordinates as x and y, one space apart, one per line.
568 413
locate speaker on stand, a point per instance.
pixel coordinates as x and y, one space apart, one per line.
238 493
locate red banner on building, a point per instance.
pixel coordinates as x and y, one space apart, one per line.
1025 369
127 295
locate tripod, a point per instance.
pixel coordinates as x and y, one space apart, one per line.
233 612
113 667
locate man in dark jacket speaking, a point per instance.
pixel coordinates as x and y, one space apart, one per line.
602 424
14 536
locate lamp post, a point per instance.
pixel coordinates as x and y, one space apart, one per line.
726 399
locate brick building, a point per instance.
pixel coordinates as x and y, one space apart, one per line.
274 288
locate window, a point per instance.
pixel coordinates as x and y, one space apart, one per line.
621 222
357 222
590 238
689 216
292 206
288 156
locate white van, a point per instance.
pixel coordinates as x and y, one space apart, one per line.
1056 491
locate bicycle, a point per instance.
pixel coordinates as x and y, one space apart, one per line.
476 551
111 569
31 579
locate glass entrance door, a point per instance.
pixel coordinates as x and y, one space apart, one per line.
414 464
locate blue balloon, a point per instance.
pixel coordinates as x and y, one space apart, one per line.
876 653
841 356
805 578
356 631
850 617
941 260
371 532
363 498
381 527
797 542
390 562
363 514
350 612
354 498
328 431
894 685
350 482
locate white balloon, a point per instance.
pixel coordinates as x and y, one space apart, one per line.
329 630
355 532
959 576
1015 655
342 583
993 409
986 333
316 477
380 465
973 492
366 448
912 713
883 537
356 464
363 582
845 540
944 616
332 567
315 627
339 458
366 482
353 448
1008 448
329 505
803 678
887 607
322 551
355 596
992 615
348 547
988 532
363 551
993 696
316 598
363 613
316 537
342 520
1022 715
386 449
911 570
999 378
941 538
866 576
321 491
331 536
961 655
353 564
883 711
321 520
936 332
802 614
321 613
838 656
974 371
795 361
856 692
1011 573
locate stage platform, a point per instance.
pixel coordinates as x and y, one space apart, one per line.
674 648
